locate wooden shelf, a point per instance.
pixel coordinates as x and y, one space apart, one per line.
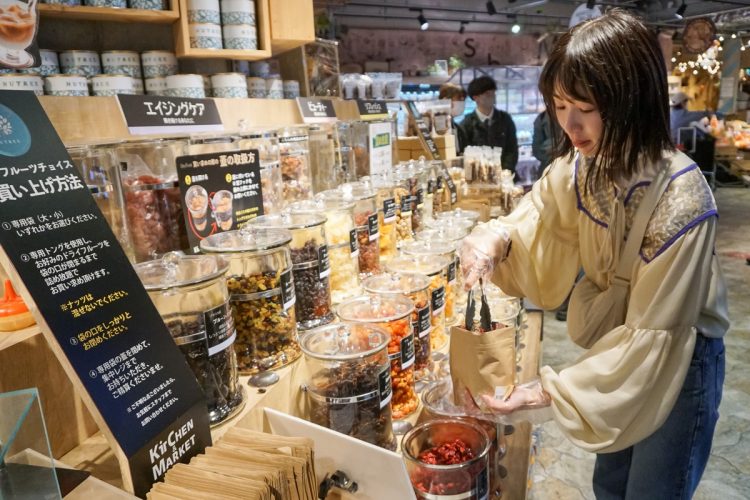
292 24
86 13
263 29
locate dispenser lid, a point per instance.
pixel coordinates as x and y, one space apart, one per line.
176 270
375 309
341 341
288 221
391 283
247 239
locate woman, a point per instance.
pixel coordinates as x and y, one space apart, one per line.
652 314
457 96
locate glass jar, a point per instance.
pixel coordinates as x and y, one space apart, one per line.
191 296
96 164
365 221
447 459
211 143
262 295
394 314
311 265
360 137
349 387
437 404
294 154
413 182
427 184
404 208
434 268
387 215
343 249
325 166
345 151
461 214
153 205
452 227
415 287
267 144
446 250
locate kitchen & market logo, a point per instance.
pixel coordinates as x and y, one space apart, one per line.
15 138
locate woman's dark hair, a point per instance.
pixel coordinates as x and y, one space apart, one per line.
481 85
615 63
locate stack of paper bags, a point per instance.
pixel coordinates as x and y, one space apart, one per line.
245 465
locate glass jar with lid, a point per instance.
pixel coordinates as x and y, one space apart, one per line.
153 205
294 153
387 214
404 208
262 295
447 250
267 144
449 233
414 286
461 214
434 268
427 184
96 164
414 179
343 249
349 388
452 227
325 165
394 314
212 143
191 296
345 151
365 221
311 265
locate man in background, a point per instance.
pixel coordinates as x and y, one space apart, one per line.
680 117
488 126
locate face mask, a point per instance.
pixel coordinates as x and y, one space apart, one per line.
457 108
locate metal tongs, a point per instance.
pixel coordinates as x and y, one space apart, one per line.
485 317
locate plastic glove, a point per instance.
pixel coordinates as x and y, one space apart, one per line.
482 250
528 396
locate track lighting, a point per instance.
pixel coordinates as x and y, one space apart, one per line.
680 14
423 22
590 4
462 28
515 29
491 8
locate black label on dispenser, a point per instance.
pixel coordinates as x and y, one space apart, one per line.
288 297
406 204
389 210
430 186
372 227
353 243
385 387
220 332
452 272
483 484
420 197
324 263
407 352
438 300
451 186
422 325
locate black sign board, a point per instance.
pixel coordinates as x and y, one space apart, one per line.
19 47
149 114
425 135
316 110
219 191
372 110
91 306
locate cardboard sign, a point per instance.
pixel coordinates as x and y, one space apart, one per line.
219 192
148 114
372 110
316 110
90 304
425 135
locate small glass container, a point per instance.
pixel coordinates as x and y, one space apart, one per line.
404 208
394 314
387 215
294 153
343 249
267 144
311 265
97 166
262 295
349 388
365 221
325 165
191 296
153 203
446 249
447 459
414 286
434 268
461 214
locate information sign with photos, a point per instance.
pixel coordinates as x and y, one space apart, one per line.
18 37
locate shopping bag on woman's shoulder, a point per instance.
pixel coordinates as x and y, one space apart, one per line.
482 355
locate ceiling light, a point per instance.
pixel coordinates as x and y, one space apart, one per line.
462 28
742 48
681 10
491 8
695 71
423 22
734 35
674 59
515 29
721 38
590 4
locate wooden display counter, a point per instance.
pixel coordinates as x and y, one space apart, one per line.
95 456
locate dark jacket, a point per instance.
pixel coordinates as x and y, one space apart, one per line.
541 146
500 133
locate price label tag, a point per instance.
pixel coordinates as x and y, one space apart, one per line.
316 110
353 243
147 115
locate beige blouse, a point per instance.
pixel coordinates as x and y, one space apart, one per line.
624 387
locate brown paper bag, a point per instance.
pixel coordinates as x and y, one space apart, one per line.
483 362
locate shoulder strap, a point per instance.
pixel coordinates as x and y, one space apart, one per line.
640 223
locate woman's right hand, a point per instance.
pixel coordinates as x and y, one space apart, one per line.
482 250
